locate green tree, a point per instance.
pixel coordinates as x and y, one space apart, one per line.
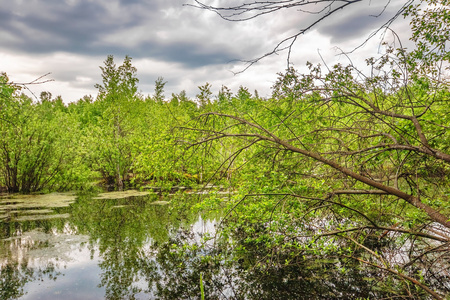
243 94
116 98
204 96
38 144
158 96
224 95
354 165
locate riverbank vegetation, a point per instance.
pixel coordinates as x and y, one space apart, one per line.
340 179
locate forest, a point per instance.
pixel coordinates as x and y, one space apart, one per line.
340 181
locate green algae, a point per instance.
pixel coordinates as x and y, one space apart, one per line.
160 203
42 207
53 200
21 208
121 195
31 211
120 206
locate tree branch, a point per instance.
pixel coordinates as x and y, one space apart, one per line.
270 137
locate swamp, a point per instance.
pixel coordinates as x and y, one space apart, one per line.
62 246
337 186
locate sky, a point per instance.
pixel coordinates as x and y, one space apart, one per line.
70 39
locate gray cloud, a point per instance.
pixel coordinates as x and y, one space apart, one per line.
359 20
81 28
52 26
71 38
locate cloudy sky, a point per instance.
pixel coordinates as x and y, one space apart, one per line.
187 46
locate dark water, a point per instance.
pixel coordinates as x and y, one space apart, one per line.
65 247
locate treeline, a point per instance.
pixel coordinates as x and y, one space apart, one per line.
120 138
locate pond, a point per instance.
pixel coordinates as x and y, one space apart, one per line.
60 246
140 245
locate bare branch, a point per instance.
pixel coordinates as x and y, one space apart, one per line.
324 9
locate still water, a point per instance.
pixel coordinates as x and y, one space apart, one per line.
62 246
137 245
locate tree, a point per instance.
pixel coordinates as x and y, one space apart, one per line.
38 144
159 89
204 96
243 94
116 97
356 164
370 161
224 95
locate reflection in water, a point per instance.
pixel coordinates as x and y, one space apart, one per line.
77 279
245 268
137 248
13 277
96 253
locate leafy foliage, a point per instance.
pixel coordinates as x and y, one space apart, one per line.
38 145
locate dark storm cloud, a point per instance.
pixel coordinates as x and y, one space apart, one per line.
190 54
81 27
54 26
120 27
349 27
359 20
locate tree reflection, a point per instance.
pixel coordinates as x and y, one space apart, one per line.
146 248
248 265
14 276
15 271
12 280
175 271
118 229
121 229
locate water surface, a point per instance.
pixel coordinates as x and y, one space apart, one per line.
60 246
